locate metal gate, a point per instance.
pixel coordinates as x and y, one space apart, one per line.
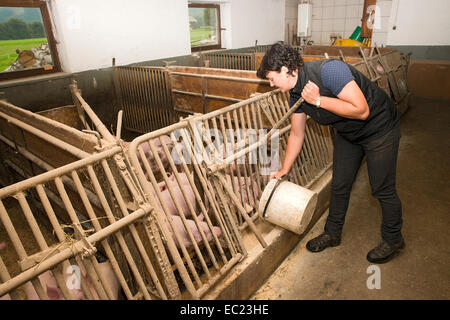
106 242
206 197
144 93
159 218
239 61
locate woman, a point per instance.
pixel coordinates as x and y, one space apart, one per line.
367 124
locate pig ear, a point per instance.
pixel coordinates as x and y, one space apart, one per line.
53 293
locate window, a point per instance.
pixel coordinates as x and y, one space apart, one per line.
204 25
27 46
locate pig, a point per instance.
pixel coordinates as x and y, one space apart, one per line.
167 199
149 155
159 149
240 185
182 232
54 293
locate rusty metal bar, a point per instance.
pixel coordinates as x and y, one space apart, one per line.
47 137
210 96
133 230
96 224
44 165
227 78
42 178
118 235
76 248
94 118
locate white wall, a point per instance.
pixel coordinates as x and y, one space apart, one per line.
261 20
90 33
334 17
291 16
419 22
246 21
381 26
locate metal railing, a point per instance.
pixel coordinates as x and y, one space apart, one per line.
238 61
145 96
162 217
199 188
120 258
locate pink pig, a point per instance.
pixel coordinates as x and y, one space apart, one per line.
182 232
54 293
241 186
167 198
159 149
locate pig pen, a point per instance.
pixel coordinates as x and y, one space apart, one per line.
76 192
109 219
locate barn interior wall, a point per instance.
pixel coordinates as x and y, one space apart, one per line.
89 41
91 33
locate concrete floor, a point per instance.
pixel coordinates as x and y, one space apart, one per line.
422 270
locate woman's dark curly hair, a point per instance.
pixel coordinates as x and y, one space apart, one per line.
280 54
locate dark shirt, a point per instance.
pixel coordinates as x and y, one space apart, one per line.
331 77
335 76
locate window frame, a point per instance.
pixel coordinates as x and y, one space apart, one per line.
219 36
50 39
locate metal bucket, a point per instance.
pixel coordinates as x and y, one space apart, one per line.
287 205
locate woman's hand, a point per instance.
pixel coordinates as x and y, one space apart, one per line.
311 93
278 174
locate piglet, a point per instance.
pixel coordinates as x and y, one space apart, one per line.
159 149
182 232
168 200
70 277
241 183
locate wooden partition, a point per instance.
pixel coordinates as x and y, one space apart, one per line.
202 90
51 141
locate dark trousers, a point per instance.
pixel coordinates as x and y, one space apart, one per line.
381 154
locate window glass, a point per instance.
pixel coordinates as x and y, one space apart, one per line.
23 40
204 26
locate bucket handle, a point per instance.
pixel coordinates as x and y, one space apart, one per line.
271 194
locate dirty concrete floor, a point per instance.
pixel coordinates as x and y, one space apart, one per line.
422 270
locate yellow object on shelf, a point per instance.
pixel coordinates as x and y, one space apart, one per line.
348 43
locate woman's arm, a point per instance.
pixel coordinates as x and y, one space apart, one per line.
351 103
294 145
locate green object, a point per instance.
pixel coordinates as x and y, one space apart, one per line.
356 35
